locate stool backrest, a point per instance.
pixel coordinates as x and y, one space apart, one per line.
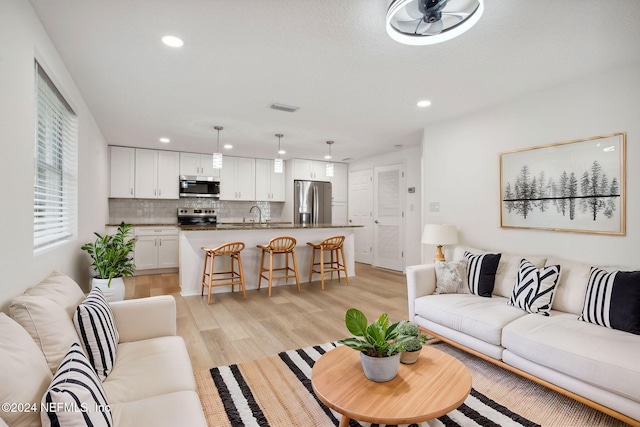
228 248
331 243
282 244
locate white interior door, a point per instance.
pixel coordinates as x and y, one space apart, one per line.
388 182
361 213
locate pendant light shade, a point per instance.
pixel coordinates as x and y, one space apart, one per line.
329 167
217 156
277 162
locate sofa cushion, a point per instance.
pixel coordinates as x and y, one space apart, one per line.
181 408
48 324
75 396
534 288
482 318
507 273
61 289
24 373
613 300
600 356
97 331
481 273
451 277
572 286
149 368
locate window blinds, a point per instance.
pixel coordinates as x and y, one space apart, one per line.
55 171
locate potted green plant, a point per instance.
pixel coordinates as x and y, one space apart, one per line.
112 260
413 345
379 343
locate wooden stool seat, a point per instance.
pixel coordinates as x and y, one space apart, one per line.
233 278
335 246
279 246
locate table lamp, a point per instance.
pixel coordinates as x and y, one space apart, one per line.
440 234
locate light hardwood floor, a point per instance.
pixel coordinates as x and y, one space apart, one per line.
233 330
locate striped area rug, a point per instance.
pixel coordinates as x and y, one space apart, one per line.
276 391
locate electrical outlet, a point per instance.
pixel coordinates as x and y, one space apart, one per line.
434 206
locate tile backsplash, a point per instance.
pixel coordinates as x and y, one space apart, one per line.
152 211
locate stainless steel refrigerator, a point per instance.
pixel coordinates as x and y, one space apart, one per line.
312 202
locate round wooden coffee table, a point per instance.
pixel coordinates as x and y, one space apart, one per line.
433 386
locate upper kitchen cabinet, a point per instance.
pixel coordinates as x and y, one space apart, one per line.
197 165
122 172
270 186
339 182
238 178
310 170
156 175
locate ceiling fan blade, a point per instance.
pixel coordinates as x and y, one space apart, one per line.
460 15
432 29
410 27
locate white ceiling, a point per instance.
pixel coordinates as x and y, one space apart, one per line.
332 58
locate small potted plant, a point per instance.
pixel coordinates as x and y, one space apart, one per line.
380 344
413 345
112 260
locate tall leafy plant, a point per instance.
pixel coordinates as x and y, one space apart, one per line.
112 254
379 339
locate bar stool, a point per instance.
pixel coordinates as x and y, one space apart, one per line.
335 245
236 277
277 246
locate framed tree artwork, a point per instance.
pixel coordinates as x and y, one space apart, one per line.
570 186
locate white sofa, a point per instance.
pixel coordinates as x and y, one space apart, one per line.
594 364
151 384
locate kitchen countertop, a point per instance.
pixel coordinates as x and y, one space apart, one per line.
172 224
264 226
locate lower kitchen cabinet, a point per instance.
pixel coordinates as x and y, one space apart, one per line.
156 247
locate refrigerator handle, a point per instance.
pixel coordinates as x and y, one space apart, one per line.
315 205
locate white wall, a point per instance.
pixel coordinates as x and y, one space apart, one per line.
461 165
22 38
411 158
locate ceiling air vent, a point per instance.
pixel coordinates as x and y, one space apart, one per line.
284 107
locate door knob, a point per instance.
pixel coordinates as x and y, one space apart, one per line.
376 221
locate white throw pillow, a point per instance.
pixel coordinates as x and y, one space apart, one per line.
97 331
535 288
451 277
75 396
61 289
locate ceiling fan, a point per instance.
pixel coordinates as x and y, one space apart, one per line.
423 22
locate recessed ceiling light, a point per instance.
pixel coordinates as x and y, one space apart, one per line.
172 41
327 157
282 152
423 103
165 140
228 146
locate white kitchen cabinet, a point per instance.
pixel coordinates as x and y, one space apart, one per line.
339 183
122 168
197 165
270 186
238 178
156 247
311 170
156 175
339 213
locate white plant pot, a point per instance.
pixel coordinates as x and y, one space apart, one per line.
410 357
115 292
380 369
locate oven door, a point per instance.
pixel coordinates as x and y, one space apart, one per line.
199 186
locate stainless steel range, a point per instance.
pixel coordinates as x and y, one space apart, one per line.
191 216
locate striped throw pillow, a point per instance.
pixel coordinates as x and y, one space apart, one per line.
481 272
613 300
75 396
97 331
534 289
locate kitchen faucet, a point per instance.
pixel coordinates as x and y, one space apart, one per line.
259 213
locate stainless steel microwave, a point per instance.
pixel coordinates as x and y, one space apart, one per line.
199 186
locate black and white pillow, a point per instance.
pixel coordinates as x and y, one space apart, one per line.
75 396
97 331
481 272
613 300
535 288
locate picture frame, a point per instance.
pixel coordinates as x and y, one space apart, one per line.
574 186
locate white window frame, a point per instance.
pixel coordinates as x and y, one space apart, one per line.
55 176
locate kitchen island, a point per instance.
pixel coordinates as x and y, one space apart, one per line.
193 238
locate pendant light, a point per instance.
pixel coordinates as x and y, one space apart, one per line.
217 156
277 162
329 167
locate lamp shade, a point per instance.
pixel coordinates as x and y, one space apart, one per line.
440 234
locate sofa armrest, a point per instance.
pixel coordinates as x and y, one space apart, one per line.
421 281
144 318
